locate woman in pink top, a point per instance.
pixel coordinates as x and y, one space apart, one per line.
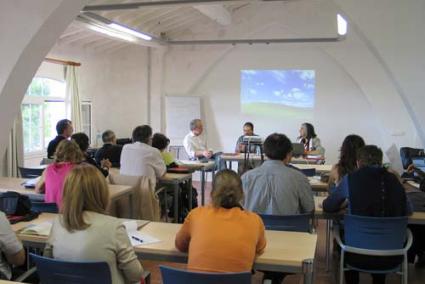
67 155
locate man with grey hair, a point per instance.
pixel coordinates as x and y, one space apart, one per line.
110 150
194 142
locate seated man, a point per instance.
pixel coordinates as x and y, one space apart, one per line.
11 250
248 130
83 142
110 150
194 142
369 191
274 187
140 158
64 129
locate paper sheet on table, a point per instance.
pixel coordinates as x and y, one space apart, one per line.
394 157
140 238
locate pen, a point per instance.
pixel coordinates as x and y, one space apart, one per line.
137 239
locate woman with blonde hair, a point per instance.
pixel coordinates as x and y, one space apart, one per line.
84 233
67 156
223 237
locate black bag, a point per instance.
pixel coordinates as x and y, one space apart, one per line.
13 203
407 153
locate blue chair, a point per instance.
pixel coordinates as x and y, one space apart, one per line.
37 206
30 172
52 271
178 276
375 236
293 223
309 172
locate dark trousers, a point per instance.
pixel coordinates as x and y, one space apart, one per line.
369 263
418 245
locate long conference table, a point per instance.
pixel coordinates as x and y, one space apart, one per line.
290 252
116 192
240 157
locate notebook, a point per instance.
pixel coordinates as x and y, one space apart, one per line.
42 229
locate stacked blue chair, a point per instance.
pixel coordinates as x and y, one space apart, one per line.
177 276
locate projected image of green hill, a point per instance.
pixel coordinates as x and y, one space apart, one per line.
276 111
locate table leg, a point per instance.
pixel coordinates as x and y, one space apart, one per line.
328 244
308 269
176 203
189 187
202 187
130 206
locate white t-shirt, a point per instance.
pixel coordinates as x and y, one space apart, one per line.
9 245
140 159
194 143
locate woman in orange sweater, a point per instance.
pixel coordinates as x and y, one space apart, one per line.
222 237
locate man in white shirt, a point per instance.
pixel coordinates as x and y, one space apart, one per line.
140 158
194 142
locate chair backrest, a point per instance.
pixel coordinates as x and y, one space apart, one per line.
309 172
145 202
177 276
30 172
46 161
375 233
52 271
294 223
44 207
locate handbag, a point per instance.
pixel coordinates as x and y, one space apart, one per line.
13 203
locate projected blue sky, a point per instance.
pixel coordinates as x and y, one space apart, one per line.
293 88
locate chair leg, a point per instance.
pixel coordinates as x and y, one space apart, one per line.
405 269
341 268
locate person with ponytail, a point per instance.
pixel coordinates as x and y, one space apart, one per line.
222 237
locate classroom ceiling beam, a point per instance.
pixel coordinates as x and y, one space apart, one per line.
216 12
255 41
165 3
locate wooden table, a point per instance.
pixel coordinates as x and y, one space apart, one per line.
317 185
325 168
175 180
15 184
289 252
240 157
203 168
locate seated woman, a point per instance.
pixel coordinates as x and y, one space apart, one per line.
67 155
347 160
308 137
161 142
11 249
83 141
222 237
84 233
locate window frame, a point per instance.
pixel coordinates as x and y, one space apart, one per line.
41 100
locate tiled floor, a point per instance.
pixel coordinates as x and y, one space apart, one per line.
416 276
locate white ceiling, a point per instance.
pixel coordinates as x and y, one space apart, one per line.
234 19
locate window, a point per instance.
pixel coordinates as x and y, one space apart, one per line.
43 105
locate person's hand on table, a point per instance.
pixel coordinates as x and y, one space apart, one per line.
105 163
207 154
